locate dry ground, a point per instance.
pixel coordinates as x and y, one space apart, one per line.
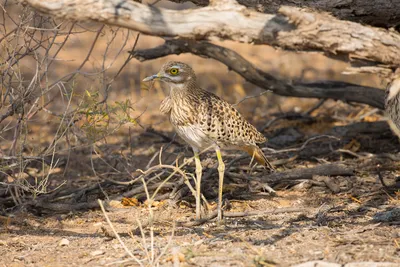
333 226
342 234
337 217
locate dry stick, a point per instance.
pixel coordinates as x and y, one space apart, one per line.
304 144
61 46
78 70
108 85
134 180
163 136
116 234
59 129
8 34
144 244
289 116
16 134
314 108
250 97
346 151
308 173
139 190
166 246
65 208
105 162
152 159
88 54
242 214
176 170
149 202
270 122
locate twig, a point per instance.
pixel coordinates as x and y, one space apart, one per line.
309 140
308 173
250 97
165 138
116 234
289 116
314 108
88 54
346 151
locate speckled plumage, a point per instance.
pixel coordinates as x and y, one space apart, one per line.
203 119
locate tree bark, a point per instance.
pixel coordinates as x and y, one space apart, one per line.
379 13
327 89
293 28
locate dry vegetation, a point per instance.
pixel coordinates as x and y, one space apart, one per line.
77 125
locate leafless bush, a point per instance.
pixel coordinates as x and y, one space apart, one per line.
34 93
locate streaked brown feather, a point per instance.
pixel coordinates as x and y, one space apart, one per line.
258 154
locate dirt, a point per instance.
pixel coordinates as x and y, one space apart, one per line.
343 233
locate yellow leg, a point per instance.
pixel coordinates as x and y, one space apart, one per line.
198 185
221 171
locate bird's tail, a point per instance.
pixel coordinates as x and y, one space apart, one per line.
258 155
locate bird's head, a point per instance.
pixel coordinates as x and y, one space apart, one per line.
174 73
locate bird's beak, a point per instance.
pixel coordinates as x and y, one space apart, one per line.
152 77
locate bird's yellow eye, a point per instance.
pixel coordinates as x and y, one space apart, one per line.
174 71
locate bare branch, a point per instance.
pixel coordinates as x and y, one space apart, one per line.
328 89
330 169
293 28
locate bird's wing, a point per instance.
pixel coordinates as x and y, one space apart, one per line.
224 124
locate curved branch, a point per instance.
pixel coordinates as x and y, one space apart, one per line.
293 28
328 89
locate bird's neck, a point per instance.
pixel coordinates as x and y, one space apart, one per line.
181 90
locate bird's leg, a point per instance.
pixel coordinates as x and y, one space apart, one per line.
221 171
198 184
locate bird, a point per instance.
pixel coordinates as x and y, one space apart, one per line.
392 103
205 121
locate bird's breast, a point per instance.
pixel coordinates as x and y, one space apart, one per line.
194 136
184 119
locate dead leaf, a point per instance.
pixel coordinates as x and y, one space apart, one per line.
154 203
130 201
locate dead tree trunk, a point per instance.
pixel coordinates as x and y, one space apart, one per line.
379 13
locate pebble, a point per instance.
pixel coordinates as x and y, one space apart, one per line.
64 242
